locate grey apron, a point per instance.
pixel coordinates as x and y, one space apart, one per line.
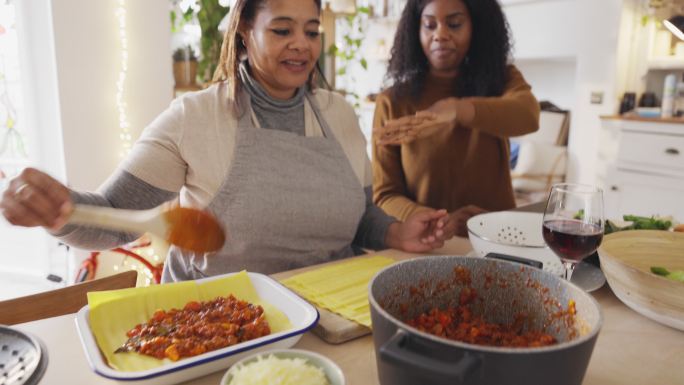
287 201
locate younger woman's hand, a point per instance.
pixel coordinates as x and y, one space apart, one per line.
421 232
36 199
458 221
439 117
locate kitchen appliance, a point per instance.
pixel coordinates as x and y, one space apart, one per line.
406 355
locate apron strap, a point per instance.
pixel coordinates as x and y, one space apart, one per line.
327 131
247 119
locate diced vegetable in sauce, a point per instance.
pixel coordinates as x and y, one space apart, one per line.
460 324
198 328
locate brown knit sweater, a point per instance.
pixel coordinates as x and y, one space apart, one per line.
437 171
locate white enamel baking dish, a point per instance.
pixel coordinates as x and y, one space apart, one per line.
302 315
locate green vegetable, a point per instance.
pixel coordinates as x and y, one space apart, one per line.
639 223
659 270
677 275
646 223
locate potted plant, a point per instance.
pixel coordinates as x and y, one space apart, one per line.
184 66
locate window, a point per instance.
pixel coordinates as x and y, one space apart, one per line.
13 151
27 256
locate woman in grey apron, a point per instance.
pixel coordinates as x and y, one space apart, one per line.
281 164
270 231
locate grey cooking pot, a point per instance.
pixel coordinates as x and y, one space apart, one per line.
406 355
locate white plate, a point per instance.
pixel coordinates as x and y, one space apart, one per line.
302 315
588 277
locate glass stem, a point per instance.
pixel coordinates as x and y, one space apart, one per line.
569 269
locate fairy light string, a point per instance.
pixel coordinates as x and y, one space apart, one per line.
121 105
145 251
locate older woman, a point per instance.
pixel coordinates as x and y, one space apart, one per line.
442 129
281 163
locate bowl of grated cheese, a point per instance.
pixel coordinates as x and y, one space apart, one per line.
284 367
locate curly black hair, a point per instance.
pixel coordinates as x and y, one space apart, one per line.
482 72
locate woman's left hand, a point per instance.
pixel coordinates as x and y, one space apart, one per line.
457 224
440 116
421 232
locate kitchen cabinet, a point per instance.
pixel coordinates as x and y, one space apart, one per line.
642 161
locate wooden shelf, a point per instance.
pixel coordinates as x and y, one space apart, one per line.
666 63
180 90
642 119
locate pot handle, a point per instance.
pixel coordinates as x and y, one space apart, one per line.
524 261
397 350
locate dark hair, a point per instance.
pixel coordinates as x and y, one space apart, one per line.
483 70
233 48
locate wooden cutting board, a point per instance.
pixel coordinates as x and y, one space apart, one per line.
335 329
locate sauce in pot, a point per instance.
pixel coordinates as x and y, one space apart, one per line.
459 323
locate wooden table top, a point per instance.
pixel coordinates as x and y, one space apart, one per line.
631 349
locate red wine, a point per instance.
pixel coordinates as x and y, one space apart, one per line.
572 239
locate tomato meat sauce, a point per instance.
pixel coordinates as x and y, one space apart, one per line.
460 324
197 328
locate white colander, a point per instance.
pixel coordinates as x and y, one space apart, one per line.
513 233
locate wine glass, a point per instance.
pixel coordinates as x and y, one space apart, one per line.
573 222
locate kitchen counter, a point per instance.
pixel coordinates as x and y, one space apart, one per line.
631 349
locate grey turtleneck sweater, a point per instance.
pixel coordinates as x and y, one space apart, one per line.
276 114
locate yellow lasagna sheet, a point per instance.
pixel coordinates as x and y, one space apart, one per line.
341 288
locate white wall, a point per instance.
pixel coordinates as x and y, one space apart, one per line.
545 47
598 30
88 61
552 80
543 29
552 35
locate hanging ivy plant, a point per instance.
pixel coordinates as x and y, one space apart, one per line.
349 53
210 15
179 19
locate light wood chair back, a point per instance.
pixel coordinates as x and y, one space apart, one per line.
60 301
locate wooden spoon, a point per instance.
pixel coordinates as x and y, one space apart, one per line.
187 228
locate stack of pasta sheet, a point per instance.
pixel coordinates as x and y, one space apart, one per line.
341 288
